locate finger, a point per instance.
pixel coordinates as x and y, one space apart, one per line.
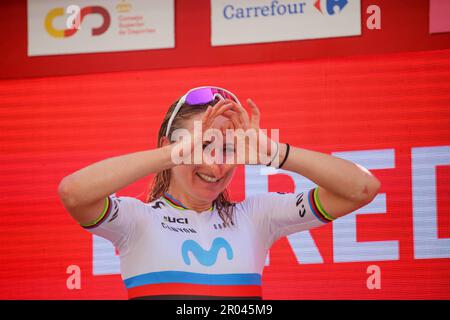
216 107
225 126
221 110
219 103
256 114
234 118
206 118
216 111
243 115
207 114
239 112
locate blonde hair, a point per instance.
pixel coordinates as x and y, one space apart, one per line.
161 181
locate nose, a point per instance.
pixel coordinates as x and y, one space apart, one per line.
220 170
217 170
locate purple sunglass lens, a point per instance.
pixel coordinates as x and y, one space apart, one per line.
205 95
224 94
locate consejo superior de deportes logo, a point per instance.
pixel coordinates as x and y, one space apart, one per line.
75 19
330 7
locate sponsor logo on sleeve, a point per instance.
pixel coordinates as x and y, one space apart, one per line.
300 205
115 209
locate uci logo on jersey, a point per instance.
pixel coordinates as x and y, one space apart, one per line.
205 257
330 7
176 220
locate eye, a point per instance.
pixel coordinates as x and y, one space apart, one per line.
228 149
206 143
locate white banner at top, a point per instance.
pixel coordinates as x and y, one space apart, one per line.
240 22
81 26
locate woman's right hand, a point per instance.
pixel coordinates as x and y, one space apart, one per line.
189 144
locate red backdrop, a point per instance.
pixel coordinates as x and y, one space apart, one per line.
404 27
53 126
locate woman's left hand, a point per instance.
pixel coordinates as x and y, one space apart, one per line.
259 148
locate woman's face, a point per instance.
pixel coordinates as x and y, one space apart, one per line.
203 182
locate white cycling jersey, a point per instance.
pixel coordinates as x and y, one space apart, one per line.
170 252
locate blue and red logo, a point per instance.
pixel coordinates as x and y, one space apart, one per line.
331 7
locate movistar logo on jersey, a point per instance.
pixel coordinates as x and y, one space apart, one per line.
205 257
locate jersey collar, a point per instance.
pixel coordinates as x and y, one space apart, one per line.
177 204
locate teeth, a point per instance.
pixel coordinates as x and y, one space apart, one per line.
207 178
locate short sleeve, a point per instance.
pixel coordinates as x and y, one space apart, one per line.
276 215
118 220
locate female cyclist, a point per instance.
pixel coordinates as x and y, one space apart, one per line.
188 240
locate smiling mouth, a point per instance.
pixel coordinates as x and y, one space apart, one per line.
207 178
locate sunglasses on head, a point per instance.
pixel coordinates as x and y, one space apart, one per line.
199 96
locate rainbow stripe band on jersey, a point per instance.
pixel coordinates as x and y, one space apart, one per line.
180 283
316 206
177 204
102 217
173 202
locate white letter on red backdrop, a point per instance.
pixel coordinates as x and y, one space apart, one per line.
346 248
427 245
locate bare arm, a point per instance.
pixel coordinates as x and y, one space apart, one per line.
343 185
84 191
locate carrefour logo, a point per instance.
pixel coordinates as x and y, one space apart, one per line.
274 9
331 7
75 20
278 8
